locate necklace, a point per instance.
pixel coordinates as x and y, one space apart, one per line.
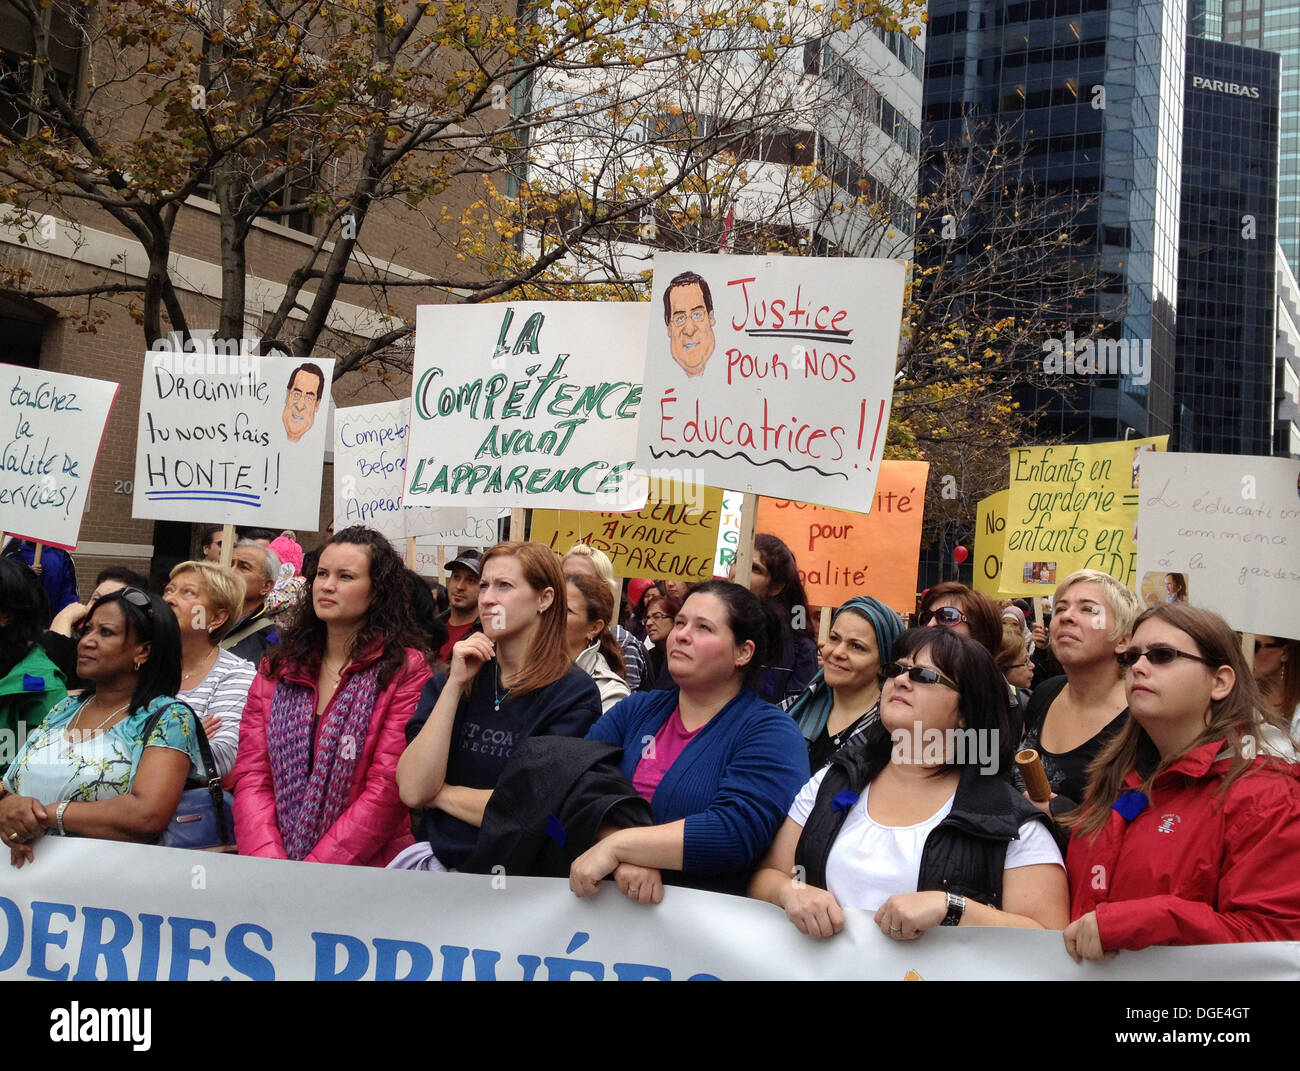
205 665
497 694
96 729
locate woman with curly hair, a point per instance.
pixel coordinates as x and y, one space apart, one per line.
326 717
513 680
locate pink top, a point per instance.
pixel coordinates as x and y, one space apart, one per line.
660 753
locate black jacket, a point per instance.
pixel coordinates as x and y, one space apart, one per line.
553 789
965 853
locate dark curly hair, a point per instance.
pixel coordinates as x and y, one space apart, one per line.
390 619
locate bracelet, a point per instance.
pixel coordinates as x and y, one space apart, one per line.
58 817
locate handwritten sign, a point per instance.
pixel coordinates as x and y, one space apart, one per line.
773 375
532 404
51 428
1230 526
990 538
456 529
1072 507
672 537
370 471
236 440
724 554
842 554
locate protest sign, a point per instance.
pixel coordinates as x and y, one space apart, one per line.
234 439
167 914
455 529
773 375
370 469
531 404
1223 532
990 539
52 427
672 537
842 554
724 555
1072 507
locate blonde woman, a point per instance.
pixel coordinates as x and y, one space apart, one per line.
207 600
1070 718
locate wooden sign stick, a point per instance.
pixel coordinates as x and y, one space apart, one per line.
516 525
745 542
410 552
227 544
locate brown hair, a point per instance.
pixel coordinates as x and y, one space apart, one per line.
1236 716
1284 697
1013 650
600 606
547 659
982 613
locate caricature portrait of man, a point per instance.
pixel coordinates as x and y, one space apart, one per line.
306 385
688 312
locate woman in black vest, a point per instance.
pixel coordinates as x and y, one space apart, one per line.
912 820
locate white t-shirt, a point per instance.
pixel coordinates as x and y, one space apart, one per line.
869 863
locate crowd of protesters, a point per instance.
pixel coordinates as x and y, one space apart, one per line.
539 713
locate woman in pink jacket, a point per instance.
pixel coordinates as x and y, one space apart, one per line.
1191 828
326 717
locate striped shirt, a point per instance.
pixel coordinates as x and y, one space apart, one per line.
223 692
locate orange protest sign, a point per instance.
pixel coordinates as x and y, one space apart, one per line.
842 554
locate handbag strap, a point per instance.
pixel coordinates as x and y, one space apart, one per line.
209 774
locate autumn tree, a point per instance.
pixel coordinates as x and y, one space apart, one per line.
427 113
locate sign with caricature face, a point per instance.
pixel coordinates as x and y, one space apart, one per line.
772 374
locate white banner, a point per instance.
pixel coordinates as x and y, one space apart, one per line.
160 913
532 404
1222 532
232 439
772 374
51 428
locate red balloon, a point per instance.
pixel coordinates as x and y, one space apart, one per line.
960 554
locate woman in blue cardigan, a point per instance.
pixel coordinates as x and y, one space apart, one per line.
718 765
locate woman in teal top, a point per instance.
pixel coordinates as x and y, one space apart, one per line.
89 769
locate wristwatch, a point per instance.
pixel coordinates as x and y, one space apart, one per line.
956 907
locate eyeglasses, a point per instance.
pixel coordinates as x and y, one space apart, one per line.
1260 645
697 315
919 674
947 615
1157 656
658 617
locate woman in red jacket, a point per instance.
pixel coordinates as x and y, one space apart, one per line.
1190 831
326 717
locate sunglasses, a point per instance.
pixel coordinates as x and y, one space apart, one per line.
919 675
948 615
1157 656
1260 645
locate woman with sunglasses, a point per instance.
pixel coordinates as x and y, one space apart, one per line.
843 699
1070 718
89 769
1277 672
965 611
909 822
325 724
1190 831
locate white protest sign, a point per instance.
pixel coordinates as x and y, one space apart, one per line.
1223 532
231 439
772 374
51 427
267 919
532 404
370 469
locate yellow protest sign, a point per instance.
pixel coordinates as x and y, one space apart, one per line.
990 538
1072 507
672 537
842 554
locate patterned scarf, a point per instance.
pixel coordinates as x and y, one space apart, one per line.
307 802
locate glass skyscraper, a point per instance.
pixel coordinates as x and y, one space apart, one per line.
1161 170
1226 303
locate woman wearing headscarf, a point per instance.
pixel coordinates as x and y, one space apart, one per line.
844 697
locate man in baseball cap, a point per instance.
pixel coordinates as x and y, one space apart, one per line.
461 617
